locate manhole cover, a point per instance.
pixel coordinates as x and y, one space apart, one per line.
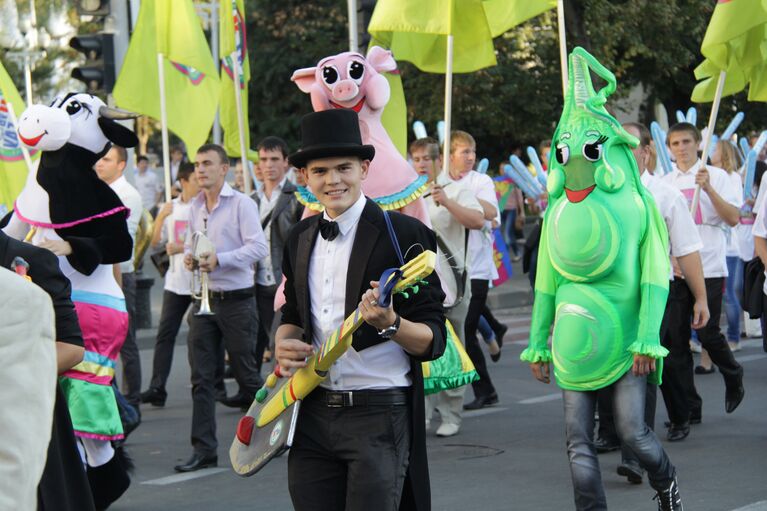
461 451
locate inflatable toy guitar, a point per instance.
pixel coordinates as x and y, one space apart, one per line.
266 431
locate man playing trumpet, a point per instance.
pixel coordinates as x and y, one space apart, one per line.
231 221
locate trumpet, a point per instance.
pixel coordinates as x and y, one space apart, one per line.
201 246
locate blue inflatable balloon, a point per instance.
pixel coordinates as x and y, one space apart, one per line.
734 123
419 130
659 137
692 115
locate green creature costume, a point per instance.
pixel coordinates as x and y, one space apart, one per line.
603 266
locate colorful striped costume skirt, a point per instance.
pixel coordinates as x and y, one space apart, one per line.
88 385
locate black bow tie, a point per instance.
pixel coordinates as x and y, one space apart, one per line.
328 230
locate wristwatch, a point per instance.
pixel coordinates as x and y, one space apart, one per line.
390 331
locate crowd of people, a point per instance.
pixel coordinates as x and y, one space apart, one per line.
272 281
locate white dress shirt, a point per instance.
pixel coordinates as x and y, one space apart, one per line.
148 186
711 227
131 199
382 366
682 234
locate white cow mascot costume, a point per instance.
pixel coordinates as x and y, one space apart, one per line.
65 207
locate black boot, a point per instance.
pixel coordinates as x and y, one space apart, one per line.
668 498
109 481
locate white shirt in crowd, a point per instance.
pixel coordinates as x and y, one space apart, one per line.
760 228
264 273
481 262
382 366
682 234
178 279
711 227
452 233
131 200
148 186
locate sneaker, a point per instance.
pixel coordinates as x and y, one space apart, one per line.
694 346
734 345
448 429
669 499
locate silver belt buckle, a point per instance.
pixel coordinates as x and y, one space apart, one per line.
339 399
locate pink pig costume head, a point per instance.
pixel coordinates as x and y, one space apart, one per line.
349 80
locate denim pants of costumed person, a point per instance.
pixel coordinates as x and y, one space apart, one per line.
732 290
508 219
629 409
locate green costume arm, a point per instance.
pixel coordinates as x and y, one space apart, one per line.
544 307
653 286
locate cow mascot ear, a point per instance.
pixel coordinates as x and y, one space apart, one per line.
115 132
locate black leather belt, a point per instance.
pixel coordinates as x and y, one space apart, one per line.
340 399
234 294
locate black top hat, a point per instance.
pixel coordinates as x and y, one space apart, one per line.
328 134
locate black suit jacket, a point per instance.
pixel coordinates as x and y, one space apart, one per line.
372 253
45 272
286 213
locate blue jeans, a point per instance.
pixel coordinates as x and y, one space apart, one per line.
487 332
733 287
628 410
508 218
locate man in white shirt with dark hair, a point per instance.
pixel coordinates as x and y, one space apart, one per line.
110 169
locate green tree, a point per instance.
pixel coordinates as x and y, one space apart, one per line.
652 43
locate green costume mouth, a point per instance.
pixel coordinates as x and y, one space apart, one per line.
576 196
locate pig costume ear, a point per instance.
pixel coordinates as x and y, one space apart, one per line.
304 78
381 60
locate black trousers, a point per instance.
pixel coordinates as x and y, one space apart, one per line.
234 324
349 459
129 354
265 303
174 307
484 386
679 393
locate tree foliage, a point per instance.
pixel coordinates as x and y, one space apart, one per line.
654 44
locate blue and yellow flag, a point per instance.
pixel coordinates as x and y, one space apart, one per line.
13 168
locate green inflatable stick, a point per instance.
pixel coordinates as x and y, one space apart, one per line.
603 265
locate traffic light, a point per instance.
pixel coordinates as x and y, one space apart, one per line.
98 73
92 7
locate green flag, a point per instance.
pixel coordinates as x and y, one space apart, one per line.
233 41
418 30
192 86
735 42
13 168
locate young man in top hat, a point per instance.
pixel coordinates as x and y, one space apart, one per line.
360 439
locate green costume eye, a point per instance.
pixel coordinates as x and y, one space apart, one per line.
562 154
593 151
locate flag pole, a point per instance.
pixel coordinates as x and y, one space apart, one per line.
246 185
214 49
165 142
709 134
351 7
448 93
15 121
562 44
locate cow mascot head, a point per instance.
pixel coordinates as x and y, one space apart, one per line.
64 193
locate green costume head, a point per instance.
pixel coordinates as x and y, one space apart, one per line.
603 269
590 144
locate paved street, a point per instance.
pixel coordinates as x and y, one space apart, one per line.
510 456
